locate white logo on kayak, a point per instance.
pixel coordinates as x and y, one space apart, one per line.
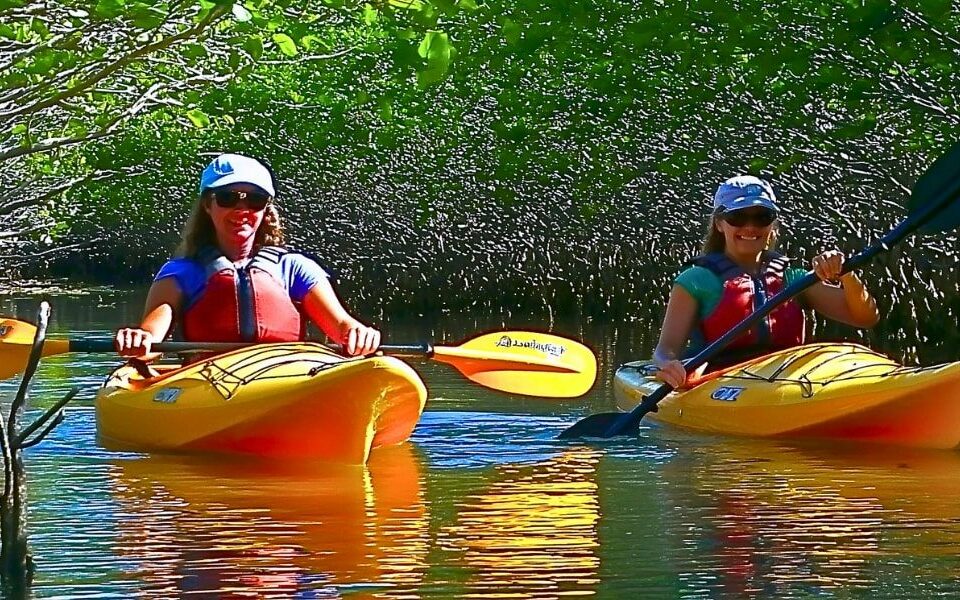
167 395
551 349
726 394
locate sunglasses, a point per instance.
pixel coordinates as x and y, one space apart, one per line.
233 198
739 218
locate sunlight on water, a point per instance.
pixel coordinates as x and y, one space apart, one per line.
484 502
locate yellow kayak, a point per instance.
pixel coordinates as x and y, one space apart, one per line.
295 400
839 391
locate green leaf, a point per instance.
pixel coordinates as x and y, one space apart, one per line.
511 31
109 9
430 76
416 5
147 17
43 62
285 43
19 128
439 53
194 51
199 118
241 14
310 41
76 128
470 5
370 15
205 8
254 46
385 109
435 46
936 10
39 27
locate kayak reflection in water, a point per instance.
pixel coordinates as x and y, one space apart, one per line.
737 272
232 279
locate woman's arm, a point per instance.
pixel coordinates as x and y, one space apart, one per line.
163 302
678 322
850 302
323 307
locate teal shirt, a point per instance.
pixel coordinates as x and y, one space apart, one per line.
706 288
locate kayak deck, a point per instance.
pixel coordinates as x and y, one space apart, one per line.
294 400
838 391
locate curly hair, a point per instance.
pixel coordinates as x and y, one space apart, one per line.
198 232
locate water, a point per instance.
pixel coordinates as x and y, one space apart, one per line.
483 502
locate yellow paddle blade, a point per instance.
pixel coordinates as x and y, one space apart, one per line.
524 362
16 339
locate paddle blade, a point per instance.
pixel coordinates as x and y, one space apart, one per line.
16 339
595 426
524 362
939 185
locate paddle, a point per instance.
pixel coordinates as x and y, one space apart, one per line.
934 195
517 362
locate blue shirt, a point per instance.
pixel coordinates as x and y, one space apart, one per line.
299 274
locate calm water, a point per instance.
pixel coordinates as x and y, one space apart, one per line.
483 503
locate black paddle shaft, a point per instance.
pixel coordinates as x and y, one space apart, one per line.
107 345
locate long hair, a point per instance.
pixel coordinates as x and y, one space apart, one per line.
713 240
198 232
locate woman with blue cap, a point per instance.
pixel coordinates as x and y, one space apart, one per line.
232 279
737 271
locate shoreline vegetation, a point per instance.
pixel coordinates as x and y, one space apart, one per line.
551 159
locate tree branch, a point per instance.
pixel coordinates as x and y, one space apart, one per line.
53 410
40 436
310 58
21 259
83 85
4 235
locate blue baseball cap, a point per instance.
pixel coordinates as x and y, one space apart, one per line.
744 191
235 168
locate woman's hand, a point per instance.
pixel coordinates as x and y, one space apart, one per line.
360 340
133 342
671 371
828 265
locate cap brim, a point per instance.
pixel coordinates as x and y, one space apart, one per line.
750 202
234 178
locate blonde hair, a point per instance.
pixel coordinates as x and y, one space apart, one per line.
713 240
199 232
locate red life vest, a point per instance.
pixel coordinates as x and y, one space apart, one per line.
245 304
743 293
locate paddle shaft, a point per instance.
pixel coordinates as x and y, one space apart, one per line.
861 259
107 345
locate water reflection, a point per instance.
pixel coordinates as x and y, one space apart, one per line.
532 531
777 521
227 528
496 506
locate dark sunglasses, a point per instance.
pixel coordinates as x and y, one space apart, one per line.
231 198
739 218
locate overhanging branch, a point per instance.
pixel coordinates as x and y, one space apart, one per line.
84 85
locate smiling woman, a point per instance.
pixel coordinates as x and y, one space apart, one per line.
234 281
735 274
